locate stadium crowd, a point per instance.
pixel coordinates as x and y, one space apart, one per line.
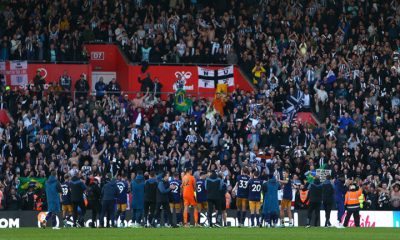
342 56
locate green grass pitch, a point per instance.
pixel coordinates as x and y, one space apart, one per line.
201 234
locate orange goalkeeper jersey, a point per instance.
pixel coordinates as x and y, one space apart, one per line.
188 186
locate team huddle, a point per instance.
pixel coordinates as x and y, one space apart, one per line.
174 196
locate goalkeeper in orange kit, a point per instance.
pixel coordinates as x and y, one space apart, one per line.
189 198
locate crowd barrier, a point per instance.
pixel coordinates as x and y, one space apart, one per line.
19 219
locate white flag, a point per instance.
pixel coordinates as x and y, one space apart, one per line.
225 76
19 73
206 78
206 83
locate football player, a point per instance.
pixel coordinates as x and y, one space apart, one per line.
201 193
242 195
122 200
189 199
255 185
175 201
66 204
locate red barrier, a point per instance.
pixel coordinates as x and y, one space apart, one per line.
52 72
104 57
107 57
169 74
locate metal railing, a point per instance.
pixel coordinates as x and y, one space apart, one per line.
93 93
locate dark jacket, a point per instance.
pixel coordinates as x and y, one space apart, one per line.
94 192
315 192
77 189
328 192
340 191
163 191
214 187
82 85
146 83
110 191
100 88
13 202
150 190
137 189
114 88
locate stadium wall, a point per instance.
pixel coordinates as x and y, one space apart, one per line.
109 58
51 72
18 219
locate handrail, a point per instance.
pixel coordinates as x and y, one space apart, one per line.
56 62
183 64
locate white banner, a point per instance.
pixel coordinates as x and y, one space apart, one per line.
19 73
203 72
225 76
20 79
367 219
322 173
206 83
208 78
18 65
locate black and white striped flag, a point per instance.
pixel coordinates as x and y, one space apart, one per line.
210 78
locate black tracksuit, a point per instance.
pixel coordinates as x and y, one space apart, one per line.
109 194
77 189
214 187
163 201
94 194
328 194
315 198
150 196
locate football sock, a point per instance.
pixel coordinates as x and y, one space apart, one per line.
252 219
196 216
122 216
243 216
117 215
179 217
185 216
238 215
258 219
53 220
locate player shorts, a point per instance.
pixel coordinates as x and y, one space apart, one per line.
189 201
121 207
175 205
241 203
66 208
286 204
254 206
202 205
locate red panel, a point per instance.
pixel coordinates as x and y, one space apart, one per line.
168 75
106 57
103 57
54 71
